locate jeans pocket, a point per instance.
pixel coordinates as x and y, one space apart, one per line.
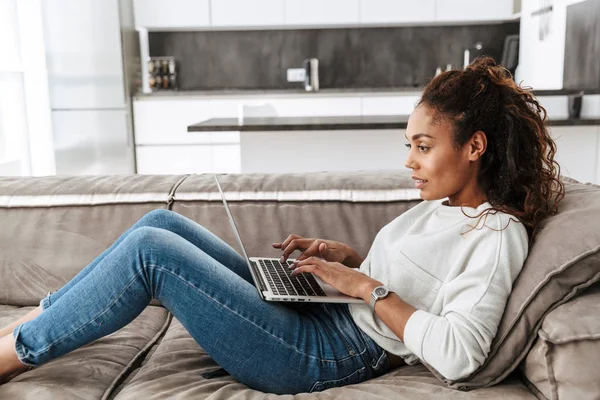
332 326
355 377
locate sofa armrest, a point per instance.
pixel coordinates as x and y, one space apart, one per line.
564 363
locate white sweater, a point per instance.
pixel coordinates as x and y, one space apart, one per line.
458 283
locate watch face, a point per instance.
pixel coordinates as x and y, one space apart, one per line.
380 291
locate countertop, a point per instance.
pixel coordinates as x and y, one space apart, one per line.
416 90
294 92
330 123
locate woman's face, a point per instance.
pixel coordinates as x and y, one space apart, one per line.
438 168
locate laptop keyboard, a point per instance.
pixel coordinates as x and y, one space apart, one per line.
283 283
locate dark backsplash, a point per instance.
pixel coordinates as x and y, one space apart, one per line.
348 58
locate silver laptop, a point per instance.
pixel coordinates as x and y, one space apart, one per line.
273 279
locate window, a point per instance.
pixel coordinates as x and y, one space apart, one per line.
14 150
13 129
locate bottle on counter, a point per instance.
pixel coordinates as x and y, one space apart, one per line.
162 73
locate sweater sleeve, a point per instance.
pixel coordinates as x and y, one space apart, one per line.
458 341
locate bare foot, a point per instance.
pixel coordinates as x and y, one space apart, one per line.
10 365
12 376
28 317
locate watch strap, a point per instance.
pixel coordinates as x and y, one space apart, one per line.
375 297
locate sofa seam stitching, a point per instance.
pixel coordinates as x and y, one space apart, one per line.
532 388
172 192
550 372
141 355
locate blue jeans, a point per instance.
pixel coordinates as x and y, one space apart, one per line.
282 348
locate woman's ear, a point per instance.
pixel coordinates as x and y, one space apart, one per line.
477 145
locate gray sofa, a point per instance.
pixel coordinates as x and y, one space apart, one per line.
547 344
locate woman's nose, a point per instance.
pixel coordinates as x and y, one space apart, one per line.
409 163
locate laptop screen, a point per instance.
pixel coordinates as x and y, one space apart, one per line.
232 221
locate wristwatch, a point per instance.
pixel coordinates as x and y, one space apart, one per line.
379 292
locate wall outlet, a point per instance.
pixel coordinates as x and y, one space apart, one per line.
296 74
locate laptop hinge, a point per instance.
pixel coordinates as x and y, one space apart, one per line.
261 283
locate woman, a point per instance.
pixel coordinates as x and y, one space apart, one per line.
475 138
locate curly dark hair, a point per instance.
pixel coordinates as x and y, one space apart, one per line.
518 172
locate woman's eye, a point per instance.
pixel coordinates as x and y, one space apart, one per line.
422 149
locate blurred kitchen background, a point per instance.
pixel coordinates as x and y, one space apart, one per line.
94 87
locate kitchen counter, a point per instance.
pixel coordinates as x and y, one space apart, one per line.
278 92
331 123
416 90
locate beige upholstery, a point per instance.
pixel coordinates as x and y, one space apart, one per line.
563 261
89 372
564 363
53 226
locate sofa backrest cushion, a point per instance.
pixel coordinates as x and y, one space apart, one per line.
52 227
563 260
350 207
564 362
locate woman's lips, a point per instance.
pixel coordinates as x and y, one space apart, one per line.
419 183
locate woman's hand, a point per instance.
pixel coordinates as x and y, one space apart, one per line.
310 247
348 281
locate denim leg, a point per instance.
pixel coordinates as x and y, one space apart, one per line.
265 345
176 223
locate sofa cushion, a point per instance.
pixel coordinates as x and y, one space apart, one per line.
91 371
175 371
564 362
54 226
350 207
562 261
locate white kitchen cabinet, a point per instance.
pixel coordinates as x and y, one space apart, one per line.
389 105
317 107
285 107
321 12
557 107
234 107
473 10
166 121
162 124
244 13
178 159
164 146
156 14
577 151
397 11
